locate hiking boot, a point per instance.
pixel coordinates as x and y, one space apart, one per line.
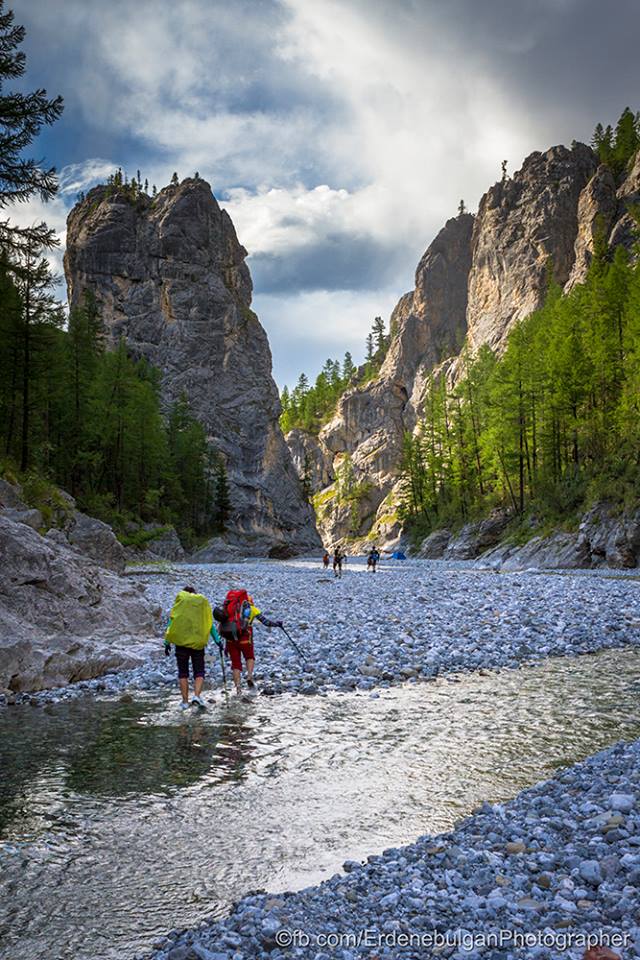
251 684
183 706
198 702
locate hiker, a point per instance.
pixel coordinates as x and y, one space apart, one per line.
372 560
236 617
325 560
337 562
190 627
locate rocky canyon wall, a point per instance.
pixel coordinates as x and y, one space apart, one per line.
480 276
169 274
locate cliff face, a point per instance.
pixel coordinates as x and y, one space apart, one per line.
522 225
479 277
363 442
169 275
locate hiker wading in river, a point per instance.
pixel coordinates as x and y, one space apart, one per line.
190 627
236 617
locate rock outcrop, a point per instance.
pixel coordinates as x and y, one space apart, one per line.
478 278
604 537
169 275
96 540
603 214
524 225
361 447
63 618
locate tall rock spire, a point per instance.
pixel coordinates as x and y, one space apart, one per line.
169 275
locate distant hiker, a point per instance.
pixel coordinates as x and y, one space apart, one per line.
338 559
372 560
190 627
325 560
236 618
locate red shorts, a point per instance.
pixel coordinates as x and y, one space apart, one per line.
238 649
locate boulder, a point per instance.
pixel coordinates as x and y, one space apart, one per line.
32 518
218 550
62 617
475 538
11 496
612 539
164 544
434 546
96 539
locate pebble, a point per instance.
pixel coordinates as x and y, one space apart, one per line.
422 619
467 880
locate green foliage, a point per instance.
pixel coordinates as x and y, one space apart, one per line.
616 148
548 428
89 420
221 498
350 492
310 407
22 117
72 414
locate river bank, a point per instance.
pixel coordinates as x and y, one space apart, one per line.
412 621
547 874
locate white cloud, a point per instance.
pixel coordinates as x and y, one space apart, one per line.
306 328
76 177
357 123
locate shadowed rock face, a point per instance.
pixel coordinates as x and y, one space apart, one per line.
169 275
428 324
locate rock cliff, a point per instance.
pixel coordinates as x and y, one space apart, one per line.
360 449
479 277
169 275
63 618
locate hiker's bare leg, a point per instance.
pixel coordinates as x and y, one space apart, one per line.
184 689
236 679
249 665
198 684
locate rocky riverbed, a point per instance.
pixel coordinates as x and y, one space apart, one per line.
411 621
550 873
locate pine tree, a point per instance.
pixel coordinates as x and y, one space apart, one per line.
379 337
461 208
174 179
370 349
40 311
222 499
348 368
22 117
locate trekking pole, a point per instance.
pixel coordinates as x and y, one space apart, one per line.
294 645
224 671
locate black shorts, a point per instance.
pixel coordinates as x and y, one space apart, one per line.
183 655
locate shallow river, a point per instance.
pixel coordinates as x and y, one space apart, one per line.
122 820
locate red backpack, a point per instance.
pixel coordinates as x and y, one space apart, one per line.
237 610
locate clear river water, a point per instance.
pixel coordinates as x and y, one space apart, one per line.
121 819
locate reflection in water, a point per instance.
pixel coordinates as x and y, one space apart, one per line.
103 803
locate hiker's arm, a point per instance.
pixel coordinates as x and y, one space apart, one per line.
215 636
268 623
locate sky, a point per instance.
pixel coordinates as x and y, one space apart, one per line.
339 134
